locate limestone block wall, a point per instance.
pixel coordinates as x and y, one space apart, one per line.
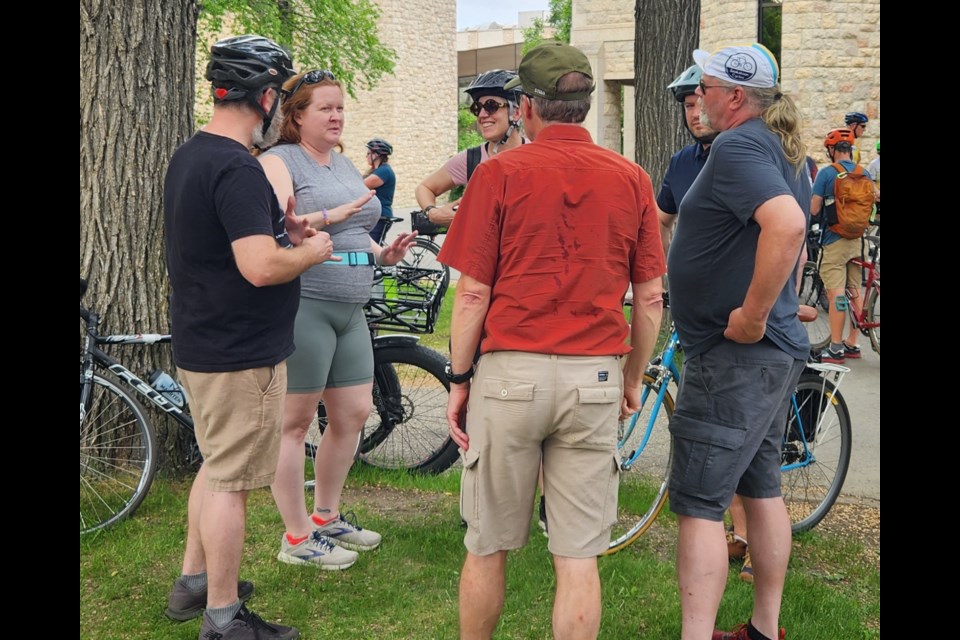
416 108
604 31
831 60
727 21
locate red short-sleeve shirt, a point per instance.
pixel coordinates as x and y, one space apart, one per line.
558 229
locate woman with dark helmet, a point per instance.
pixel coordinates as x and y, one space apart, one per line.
498 120
382 179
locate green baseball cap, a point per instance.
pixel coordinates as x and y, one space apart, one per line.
544 65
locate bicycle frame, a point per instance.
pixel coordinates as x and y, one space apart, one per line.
663 369
859 320
806 457
94 355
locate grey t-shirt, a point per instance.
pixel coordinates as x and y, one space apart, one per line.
714 248
319 187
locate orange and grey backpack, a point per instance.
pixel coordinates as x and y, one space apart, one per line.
849 215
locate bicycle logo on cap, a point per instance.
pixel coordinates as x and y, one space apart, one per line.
740 66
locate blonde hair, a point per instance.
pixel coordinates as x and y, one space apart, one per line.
779 112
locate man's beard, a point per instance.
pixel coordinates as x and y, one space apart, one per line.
263 140
706 138
705 119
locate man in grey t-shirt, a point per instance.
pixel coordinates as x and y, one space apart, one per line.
738 240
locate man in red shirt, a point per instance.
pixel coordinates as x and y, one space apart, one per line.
547 240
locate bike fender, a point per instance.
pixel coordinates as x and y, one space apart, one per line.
395 340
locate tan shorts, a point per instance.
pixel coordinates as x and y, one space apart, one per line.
836 270
525 407
237 417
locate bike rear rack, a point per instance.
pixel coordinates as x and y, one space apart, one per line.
406 298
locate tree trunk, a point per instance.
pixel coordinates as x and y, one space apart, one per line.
136 107
667 32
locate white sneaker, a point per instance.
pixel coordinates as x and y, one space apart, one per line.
317 551
347 534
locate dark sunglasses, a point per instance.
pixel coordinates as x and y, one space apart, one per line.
490 106
311 77
704 87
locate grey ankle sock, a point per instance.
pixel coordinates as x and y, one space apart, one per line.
195 582
221 616
836 346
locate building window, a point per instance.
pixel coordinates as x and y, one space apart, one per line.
770 22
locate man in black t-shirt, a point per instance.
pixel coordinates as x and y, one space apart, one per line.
234 260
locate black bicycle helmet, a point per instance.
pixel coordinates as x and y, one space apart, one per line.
490 83
855 117
245 65
380 147
686 83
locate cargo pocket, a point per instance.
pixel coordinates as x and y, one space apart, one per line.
506 399
469 488
705 456
595 417
610 515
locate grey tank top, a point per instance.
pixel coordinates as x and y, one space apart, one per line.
319 187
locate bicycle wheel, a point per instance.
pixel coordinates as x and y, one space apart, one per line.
423 255
117 460
816 451
873 315
813 294
643 483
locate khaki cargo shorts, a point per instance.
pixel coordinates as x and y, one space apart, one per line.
237 416
563 410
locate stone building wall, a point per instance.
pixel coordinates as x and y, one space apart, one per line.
831 54
416 108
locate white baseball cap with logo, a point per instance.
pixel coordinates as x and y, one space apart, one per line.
749 65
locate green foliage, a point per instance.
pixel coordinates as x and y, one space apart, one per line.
771 27
467 136
561 18
339 35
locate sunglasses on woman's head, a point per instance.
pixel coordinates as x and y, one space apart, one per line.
311 77
490 106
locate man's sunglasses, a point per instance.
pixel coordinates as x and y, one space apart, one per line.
311 77
490 106
704 87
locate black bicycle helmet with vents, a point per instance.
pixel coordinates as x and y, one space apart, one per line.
490 83
686 83
855 117
245 65
380 147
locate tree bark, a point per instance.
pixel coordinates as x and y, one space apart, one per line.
136 106
667 32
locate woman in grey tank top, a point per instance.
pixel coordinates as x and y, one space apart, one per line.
334 356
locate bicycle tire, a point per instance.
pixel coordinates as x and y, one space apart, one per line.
873 315
383 377
643 486
812 293
411 430
813 475
117 461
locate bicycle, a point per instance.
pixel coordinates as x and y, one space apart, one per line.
118 459
117 442
813 293
815 451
